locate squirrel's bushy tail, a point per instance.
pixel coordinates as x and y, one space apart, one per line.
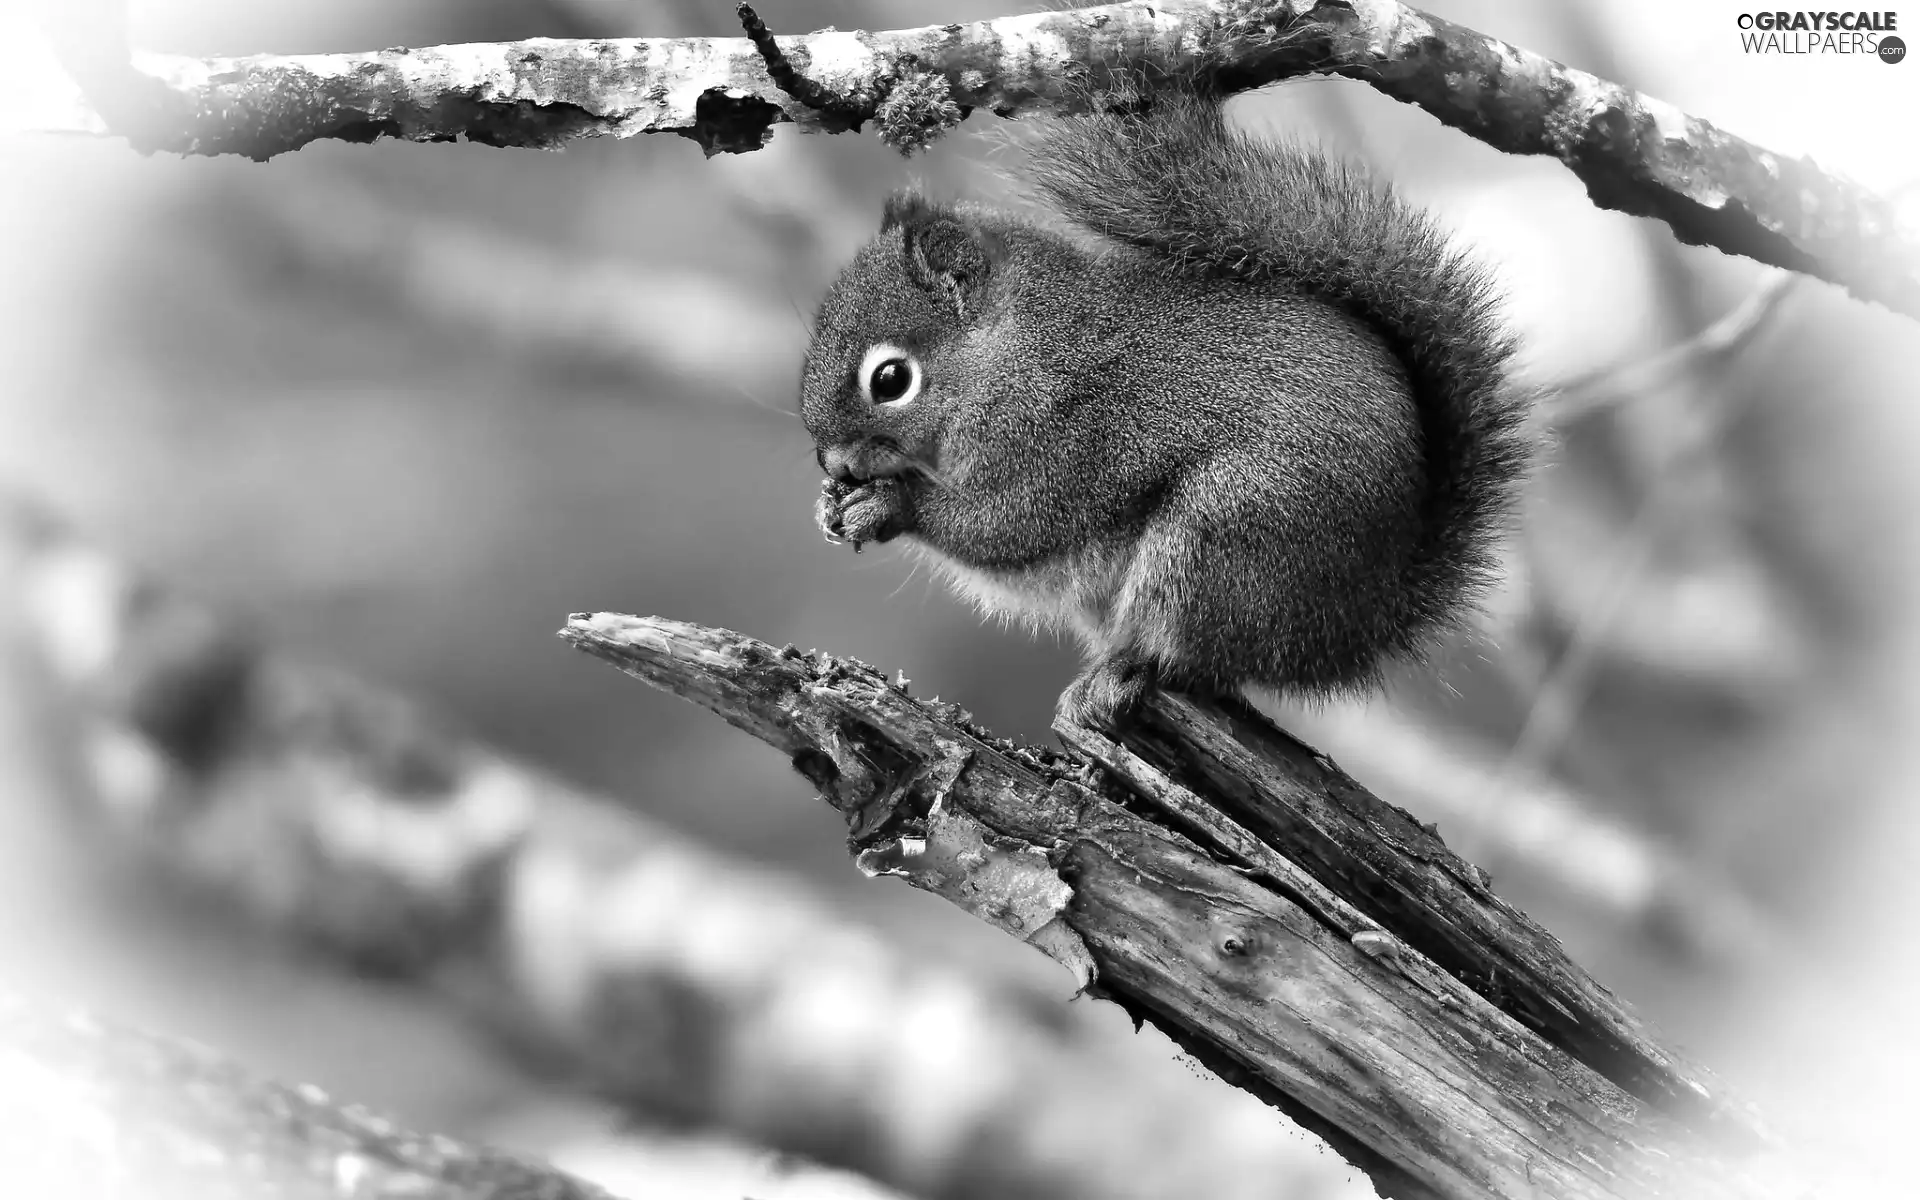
1177 180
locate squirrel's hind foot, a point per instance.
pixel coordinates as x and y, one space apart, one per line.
1108 692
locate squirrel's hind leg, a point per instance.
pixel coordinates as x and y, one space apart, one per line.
1139 649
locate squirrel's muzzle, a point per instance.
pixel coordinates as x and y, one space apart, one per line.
837 462
859 461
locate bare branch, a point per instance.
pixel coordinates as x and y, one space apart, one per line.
523 297
1243 946
97 1112
1618 383
1376 856
1635 154
599 946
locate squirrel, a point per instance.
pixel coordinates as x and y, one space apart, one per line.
1230 411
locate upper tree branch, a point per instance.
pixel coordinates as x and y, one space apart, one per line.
1290 930
1634 153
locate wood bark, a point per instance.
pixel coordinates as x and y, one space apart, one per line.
1295 934
1634 153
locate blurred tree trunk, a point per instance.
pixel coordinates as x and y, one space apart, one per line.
600 947
89 1111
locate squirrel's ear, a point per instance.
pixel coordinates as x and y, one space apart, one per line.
940 251
905 208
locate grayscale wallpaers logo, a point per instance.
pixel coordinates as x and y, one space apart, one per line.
1866 34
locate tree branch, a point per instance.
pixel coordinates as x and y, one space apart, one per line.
1533 824
597 945
1279 928
1634 153
522 297
97 1112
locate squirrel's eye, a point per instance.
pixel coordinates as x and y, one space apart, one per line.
891 379
889 375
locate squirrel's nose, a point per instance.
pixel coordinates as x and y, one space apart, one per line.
837 462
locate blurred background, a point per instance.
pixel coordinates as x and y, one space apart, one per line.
401 408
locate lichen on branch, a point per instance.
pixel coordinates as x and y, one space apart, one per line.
1634 153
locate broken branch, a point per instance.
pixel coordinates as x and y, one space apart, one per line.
1232 941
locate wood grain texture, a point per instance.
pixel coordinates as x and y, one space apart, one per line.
1244 955
1379 859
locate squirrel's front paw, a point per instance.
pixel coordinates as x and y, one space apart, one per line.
1106 693
874 511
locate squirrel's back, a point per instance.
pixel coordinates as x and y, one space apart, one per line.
1176 182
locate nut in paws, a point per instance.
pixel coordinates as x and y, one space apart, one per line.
874 511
